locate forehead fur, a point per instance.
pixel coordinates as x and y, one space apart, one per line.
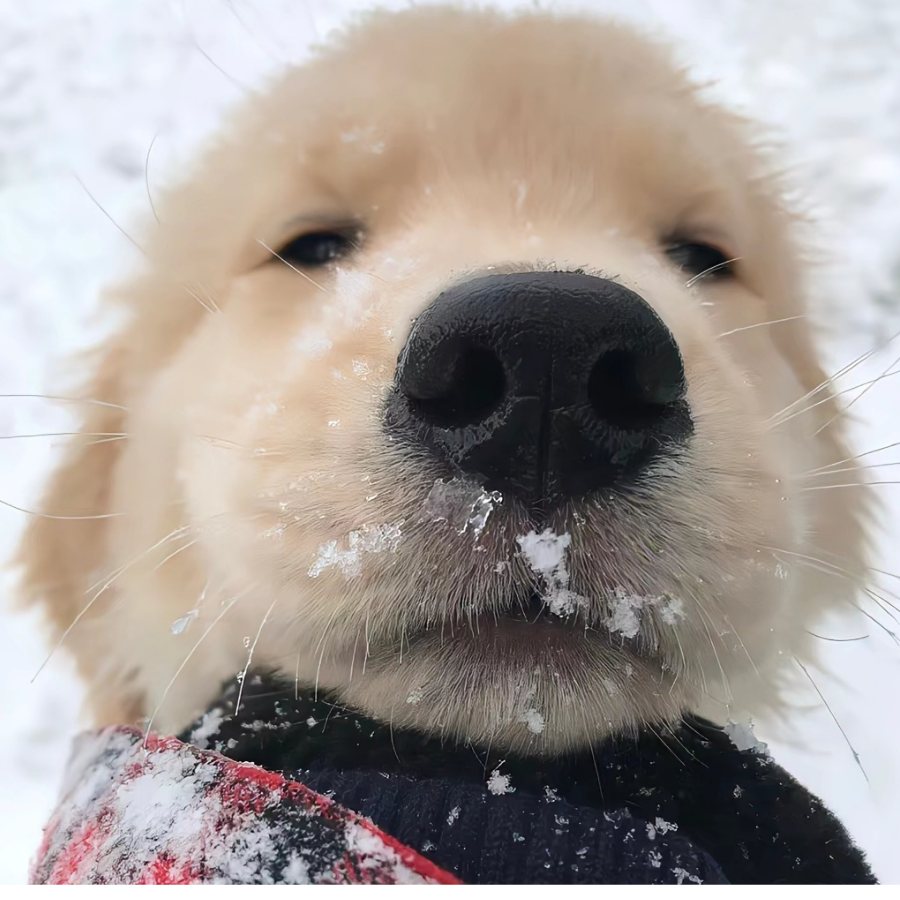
436 92
440 106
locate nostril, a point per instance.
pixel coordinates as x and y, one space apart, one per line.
543 385
633 390
473 391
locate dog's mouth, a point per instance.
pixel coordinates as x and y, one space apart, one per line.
538 609
527 622
528 636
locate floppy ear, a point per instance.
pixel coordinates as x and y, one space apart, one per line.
64 553
63 550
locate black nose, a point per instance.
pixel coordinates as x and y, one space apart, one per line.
545 385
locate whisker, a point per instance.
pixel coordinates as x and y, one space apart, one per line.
67 632
181 549
691 282
597 773
734 631
177 532
821 637
250 34
819 473
65 400
828 399
883 572
46 434
758 325
875 621
102 589
210 309
726 684
294 268
245 88
833 716
391 733
882 602
321 649
237 704
840 462
208 297
184 16
670 732
368 645
353 658
100 206
811 559
832 569
32 512
683 661
852 484
830 380
297 679
846 409
147 177
106 440
223 441
225 608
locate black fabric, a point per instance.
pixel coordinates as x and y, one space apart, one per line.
674 805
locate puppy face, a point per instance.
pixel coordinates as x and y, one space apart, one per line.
468 377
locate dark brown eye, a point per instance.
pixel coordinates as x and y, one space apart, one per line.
318 248
697 259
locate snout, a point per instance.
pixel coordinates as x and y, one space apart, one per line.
546 386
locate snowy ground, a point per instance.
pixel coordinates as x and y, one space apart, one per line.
87 85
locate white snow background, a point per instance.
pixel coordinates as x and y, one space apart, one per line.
87 85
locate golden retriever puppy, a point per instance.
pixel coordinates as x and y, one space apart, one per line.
467 377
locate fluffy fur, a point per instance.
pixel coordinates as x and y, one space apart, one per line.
255 492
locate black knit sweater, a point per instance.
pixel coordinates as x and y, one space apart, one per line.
676 805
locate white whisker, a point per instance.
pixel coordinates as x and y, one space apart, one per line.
227 605
840 462
246 672
46 434
726 684
724 264
147 177
174 553
758 325
56 398
102 209
819 473
832 379
833 716
828 568
294 268
170 536
822 637
828 399
851 484
102 589
40 515
321 650
210 308
887 372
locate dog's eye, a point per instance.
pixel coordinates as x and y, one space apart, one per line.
318 248
700 259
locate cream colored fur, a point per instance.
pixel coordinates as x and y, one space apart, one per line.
461 141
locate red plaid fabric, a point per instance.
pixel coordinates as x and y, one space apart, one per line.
158 811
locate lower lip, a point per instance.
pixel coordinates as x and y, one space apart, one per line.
535 610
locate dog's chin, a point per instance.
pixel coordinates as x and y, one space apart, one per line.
528 680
